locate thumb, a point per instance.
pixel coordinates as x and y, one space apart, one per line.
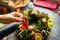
16 19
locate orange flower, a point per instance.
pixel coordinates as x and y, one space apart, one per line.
18 10
33 32
41 15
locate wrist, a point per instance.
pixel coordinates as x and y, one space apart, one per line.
2 17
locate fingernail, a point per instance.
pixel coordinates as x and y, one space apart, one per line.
19 20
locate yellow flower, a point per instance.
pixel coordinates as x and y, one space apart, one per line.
25 12
38 36
50 23
34 11
20 26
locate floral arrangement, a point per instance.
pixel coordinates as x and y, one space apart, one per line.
36 25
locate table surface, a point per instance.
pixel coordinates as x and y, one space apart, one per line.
55 31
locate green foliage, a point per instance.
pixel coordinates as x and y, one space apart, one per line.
25 35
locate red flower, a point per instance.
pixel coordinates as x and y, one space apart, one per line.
23 19
24 25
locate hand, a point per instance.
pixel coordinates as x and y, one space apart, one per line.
12 17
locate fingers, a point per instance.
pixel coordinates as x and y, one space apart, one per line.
16 14
16 19
12 17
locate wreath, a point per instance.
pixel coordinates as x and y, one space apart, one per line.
37 25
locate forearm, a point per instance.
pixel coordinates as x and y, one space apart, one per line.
4 19
1 17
